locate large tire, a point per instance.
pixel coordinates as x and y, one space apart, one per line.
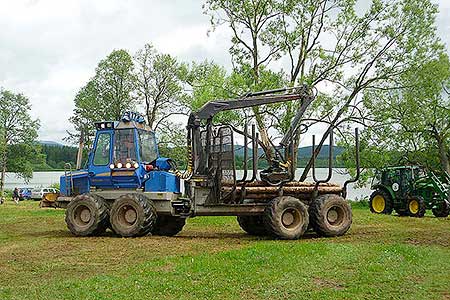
87 215
133 215
168 225
330 215
253 225
442 211
380 202
416 207
286 218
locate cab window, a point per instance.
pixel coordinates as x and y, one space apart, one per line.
101 155
148 147
124 146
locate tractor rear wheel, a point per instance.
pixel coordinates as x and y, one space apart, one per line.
380 202
168 225
330 215
286 218
253 225
87 215
416 207
442 211
132 215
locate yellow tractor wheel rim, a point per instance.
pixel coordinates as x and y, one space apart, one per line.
378 204
414 206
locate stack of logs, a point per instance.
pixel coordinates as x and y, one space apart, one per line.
261 190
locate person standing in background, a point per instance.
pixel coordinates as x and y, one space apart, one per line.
16 195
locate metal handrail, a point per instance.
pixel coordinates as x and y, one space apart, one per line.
330 162
358 170
67 174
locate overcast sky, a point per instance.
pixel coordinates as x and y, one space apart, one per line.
50 48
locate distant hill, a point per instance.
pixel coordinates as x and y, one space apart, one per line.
305 152
51 143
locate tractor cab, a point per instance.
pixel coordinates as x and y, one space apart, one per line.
409 190
398 180
124 156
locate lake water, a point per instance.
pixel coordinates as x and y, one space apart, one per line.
44 179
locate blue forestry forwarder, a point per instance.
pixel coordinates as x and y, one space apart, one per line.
129 188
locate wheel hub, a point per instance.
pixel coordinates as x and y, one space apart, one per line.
335 215
414 206
85 215
290 218
378 203
332 215
130 214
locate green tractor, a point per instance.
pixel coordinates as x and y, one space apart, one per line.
410 191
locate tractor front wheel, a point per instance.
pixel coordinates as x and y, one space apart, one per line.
442 211
168 225
253 225
416 207
286 218
87 215
132 215
330 215
380 202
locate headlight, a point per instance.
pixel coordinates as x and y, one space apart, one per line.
119 165
111 166
136 165
128 166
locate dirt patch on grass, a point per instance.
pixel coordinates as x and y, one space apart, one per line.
327 283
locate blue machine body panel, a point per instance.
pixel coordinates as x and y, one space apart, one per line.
162 163
80 181
162 181
120 157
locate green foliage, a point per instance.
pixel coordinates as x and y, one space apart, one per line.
411 125
209 81
56 185
18 132
105 97
24 158
57 156
159 86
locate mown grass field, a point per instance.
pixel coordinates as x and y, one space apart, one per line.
382 257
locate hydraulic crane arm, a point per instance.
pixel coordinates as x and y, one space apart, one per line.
281 169
210 109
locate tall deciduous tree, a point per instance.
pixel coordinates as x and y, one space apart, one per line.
250 22
158 86
18 132
331 46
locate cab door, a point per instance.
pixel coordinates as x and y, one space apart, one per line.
100 159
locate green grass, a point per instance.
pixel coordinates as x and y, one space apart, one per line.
382 257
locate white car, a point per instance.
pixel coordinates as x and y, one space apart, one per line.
37 194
